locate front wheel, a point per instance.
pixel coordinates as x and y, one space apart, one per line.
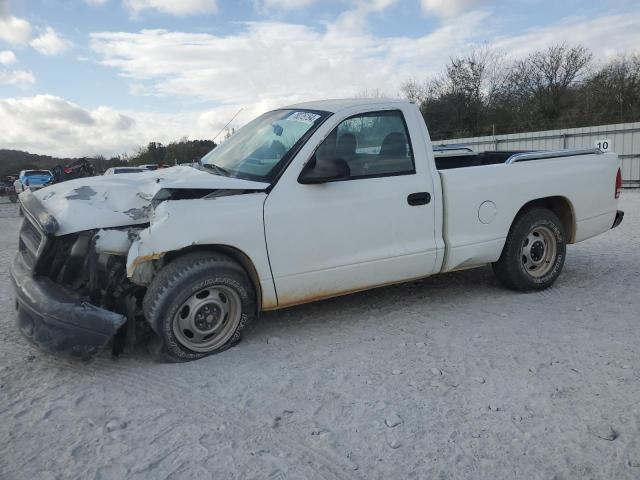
198 305
534 253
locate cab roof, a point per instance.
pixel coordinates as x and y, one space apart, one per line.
336 105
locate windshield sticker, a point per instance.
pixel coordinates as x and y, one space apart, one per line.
304 117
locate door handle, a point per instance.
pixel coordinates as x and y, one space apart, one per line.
418 198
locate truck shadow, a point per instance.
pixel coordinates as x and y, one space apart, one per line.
443 297
417 297
425 296
422 296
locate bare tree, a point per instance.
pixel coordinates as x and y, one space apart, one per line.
478 74
547 76
613 92
460 98
375 93
414 91
553 88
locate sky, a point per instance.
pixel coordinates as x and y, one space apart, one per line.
88 77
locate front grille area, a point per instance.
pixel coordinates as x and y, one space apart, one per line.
32 242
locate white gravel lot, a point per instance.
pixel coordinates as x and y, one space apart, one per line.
450 377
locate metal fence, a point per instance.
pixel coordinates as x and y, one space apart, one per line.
622 138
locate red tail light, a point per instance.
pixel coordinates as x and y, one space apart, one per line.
618 183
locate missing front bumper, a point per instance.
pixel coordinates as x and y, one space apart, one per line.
56 320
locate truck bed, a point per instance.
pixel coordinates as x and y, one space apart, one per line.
450 157
445 161
481 203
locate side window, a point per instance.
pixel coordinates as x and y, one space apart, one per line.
373 144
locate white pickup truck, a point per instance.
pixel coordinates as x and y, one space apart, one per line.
304 203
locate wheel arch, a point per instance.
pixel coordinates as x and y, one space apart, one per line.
559 205
234 253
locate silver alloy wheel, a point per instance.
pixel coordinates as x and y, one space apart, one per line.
539 251
208 318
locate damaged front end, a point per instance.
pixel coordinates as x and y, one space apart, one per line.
72 291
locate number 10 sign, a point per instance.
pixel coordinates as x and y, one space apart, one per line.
604 145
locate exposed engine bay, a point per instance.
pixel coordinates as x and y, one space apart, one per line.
92 264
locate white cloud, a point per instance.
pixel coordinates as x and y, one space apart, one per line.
14 77
173 7
277 62
447 8
605 36
14 30
20 78
95 2
280 62
7 57
354 20
51 125
50 43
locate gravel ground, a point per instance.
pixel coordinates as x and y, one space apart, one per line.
450 377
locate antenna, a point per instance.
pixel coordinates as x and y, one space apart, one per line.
222 130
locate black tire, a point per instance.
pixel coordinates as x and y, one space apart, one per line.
514 269
180 281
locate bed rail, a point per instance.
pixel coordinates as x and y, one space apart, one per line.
448 148
521 157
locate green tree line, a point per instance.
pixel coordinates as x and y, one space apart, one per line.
183 151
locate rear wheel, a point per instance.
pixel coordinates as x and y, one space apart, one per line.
534 253
198 305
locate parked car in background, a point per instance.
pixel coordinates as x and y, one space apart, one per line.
118 170
78 168
32 180
154 166
304 203
8 190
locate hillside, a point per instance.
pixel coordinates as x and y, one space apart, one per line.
183 151
12 161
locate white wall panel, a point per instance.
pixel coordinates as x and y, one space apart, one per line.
624 137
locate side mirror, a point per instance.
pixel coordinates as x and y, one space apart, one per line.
324 170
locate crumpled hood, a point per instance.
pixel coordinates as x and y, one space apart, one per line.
124 199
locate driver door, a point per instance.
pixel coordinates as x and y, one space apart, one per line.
342 236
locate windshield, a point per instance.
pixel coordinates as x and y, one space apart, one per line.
259 150
37 172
